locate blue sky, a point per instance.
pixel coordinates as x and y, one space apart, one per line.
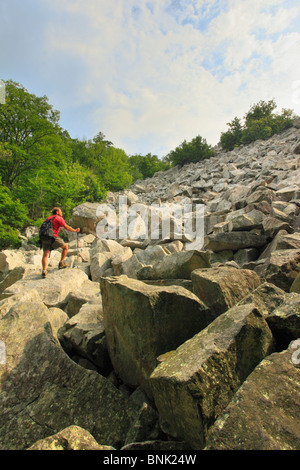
149 74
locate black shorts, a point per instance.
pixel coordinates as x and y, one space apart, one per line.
58 243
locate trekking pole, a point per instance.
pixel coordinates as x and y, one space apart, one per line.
77 239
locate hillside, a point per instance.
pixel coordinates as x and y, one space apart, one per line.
179 339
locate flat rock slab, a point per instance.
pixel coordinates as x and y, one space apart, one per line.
234 241
53 290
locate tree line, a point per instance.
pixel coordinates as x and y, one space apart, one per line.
41 166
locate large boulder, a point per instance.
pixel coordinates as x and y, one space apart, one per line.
282 241
53 290
284 321
43 391
71 438
128 263
220 288
280 268
234 241
12 276
143 321
196 382
176 266
295 287
101 256
88 291
30 295
84 335
85 217
267 297
10 259
263 414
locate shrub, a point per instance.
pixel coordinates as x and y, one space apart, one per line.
260 122
190 152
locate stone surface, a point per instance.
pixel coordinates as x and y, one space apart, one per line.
281 268
43 391
284 321
251 202
195 383
220 288
234 241
176 266
143 321
53 290
84 335
295 287
264 413
71 438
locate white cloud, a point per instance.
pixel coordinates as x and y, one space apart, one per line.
160 71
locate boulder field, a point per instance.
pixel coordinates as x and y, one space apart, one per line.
156 339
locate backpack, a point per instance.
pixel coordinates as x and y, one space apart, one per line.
46 231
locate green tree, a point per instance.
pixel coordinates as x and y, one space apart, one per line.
232 138
190 152
13 216
144 166
113 169
25 121
260 122
107 163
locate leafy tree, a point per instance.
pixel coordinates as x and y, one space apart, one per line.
232 138
25 121
260 122
109 164
190 152
13 216
144 166
113 170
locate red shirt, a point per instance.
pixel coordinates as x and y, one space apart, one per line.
58 222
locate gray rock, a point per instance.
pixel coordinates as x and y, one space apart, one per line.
53 290
176 266
263 413
284 321
43 391
70 438
196 382
281 268
220 288
234 241
143 321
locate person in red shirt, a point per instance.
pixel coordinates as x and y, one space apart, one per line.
58 222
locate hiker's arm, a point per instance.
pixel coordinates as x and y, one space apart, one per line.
70 229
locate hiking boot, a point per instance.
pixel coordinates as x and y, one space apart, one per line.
44 274
62 265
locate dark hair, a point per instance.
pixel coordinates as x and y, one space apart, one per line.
55 209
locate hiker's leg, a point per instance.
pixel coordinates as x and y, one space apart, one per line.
64 252
44 259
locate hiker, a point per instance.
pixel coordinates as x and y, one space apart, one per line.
47 245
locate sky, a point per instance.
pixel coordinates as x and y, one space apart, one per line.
150 74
